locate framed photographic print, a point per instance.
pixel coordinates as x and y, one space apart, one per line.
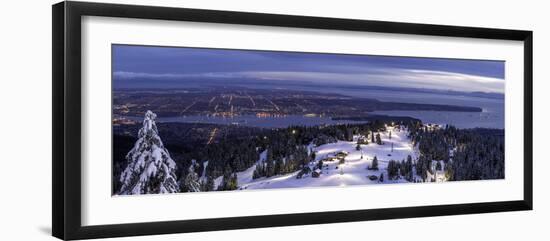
170 120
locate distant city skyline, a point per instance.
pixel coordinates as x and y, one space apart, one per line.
150 66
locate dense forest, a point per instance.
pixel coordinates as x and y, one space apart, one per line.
466 154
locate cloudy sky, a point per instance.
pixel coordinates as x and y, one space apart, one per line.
178 65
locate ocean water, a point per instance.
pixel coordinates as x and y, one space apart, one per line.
492 115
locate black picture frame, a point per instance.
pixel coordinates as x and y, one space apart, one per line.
66 127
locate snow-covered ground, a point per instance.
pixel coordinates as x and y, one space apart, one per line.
353 172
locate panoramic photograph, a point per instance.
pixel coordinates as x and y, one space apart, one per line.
202 120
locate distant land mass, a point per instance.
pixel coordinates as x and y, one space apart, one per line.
176 83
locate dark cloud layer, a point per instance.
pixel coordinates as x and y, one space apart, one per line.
184 64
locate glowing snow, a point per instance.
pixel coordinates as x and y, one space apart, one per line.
352 172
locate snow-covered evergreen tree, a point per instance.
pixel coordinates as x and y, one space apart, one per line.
208 184
378 139
374 164
191 182
150 168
